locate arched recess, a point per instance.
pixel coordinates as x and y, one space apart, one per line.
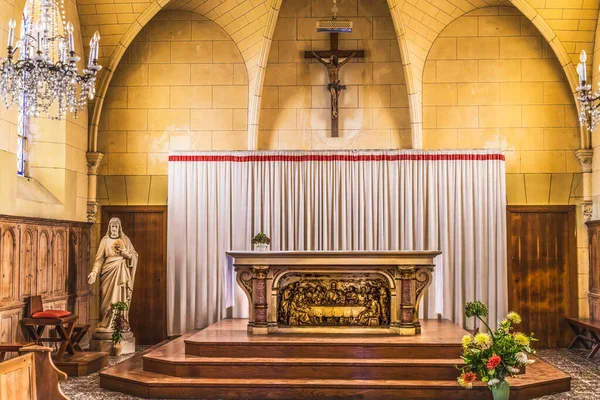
244 21
417 30
110 67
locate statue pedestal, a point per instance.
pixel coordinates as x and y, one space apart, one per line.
102 341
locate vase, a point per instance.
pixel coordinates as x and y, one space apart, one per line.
116 350
261 247
501 391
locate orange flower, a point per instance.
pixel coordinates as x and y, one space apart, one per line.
494 361
466 380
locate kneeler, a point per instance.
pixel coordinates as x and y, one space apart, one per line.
38 320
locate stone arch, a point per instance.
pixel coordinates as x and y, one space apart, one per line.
417 30
244 21
110 67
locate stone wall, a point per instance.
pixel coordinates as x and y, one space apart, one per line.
181 85
296 105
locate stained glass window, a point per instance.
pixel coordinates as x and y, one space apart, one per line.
22 143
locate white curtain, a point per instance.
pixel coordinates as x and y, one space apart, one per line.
453 201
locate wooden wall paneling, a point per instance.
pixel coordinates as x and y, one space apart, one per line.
28 261
41 257
542 270
594 285
74 260
59 277
9 253
10 329
45 262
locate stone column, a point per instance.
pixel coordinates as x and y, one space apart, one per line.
93 162
259 298
585 157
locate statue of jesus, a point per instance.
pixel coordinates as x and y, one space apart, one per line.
334 86
116 262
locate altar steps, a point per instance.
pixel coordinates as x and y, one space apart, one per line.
304 368
166 371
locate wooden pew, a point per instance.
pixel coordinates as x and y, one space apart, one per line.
31 376
17 378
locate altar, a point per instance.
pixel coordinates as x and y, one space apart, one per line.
359 292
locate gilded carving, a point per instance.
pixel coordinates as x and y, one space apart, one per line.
333 300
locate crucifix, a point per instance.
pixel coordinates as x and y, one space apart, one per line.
330 58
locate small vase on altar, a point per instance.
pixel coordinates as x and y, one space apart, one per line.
501 391
261 247
261 242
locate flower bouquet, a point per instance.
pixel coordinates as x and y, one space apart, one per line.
493 356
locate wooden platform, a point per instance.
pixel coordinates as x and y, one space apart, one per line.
81 363
223 362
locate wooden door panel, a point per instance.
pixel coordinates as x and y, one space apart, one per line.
146 227
542 270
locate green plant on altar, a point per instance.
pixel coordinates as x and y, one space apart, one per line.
119 323
493 356
261 238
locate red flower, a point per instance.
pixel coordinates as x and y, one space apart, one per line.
494 361
469 377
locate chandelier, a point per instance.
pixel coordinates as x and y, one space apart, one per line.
590 116
40 73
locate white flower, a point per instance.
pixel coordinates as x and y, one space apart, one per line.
529 362
512 370
521 357
493 382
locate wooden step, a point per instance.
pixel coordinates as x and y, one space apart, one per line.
129 377
228 338
301 368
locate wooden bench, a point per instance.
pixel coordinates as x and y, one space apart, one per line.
587 333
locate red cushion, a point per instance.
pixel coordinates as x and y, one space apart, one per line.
51 314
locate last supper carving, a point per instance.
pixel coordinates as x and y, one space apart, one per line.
333 300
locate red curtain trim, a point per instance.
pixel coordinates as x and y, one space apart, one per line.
335 157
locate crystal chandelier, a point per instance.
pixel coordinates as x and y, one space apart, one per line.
590 115
44 72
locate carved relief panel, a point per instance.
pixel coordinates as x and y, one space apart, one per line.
306 299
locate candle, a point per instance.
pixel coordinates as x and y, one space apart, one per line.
97 39
581 68
11 31
70 36
92 45
38 28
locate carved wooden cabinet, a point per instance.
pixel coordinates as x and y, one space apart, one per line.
42 257
594 291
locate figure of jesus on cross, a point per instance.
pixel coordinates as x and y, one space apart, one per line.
335 87
331 60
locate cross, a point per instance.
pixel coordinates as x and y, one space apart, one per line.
333 69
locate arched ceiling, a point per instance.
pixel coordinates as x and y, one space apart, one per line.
568 26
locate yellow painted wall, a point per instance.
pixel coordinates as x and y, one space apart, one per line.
56 150
492 81
295 109
181 85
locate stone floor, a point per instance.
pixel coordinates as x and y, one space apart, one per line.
584 386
